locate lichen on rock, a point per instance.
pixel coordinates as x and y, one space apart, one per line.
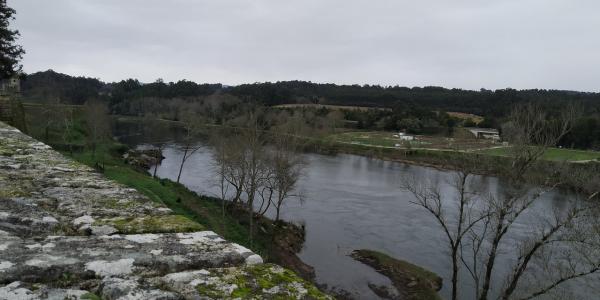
264 281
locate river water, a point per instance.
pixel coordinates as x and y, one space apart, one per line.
353 202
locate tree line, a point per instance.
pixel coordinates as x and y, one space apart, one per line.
418 110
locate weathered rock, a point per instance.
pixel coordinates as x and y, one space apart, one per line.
19 290
117 255
264 281
66 232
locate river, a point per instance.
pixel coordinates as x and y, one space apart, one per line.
353 202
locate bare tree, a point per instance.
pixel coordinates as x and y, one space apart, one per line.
192 122
229 162
97 123
456 222
50 116
223 162
287 164
478 228
253 139
531 131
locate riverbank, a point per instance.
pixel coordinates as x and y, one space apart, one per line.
493 162
543 172
276 243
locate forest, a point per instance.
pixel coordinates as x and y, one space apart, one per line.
419 110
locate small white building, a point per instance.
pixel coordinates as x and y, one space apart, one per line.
405 137
484 133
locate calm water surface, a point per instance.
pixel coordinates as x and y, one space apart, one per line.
353 202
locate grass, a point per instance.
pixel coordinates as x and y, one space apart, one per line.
153 224
206 211
330 106
372 138
553 154
381 139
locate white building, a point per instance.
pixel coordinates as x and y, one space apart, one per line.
484 133
405 137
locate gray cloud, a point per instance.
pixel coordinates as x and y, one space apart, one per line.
464 44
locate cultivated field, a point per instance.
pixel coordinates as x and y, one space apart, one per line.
464 116
337 107
387 139
383 139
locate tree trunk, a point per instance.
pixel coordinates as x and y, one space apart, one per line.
156 158
182 162
490 263
251 210
454 274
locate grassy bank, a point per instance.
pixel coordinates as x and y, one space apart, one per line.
544 172
204 210
277 243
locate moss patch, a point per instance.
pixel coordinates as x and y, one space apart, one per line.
15 191
264 281
268 277
153 224
412 281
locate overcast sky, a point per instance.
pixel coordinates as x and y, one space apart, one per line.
464 44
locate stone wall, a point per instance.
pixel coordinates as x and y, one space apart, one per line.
66 232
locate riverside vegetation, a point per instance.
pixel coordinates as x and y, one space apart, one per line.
262 173
68 232
275 241
245 169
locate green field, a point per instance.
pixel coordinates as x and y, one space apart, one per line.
383 139
374 138
555 154
379 139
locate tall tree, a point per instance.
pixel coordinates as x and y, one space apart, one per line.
10 52
192 121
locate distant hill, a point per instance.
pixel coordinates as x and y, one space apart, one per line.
76 90
46 85
484 102
41 86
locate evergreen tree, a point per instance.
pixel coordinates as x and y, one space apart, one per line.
10 53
